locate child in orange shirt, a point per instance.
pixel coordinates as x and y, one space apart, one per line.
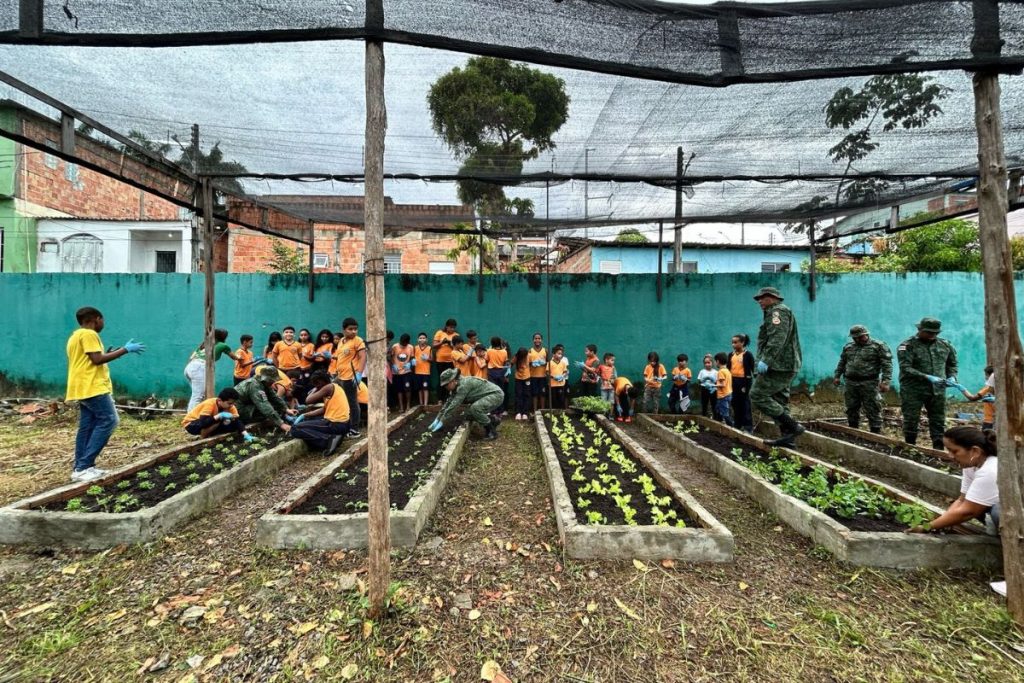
421 364
558 375
498 368
679 395
723 387
624 395
523 390
462 355
244 359
286 352
654 375
323 353
607 376
479 364
538 357
590 380
215 416
308 348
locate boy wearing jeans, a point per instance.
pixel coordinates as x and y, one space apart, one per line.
89 384
723 387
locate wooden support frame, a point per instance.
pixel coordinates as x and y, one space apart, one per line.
30 18
661 237
312 248
209 313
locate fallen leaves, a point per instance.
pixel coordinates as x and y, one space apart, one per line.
303 628
34 610
487 522
70 570
743 586
474 614
640 566
349 671
628 611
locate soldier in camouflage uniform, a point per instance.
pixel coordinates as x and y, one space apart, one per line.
258 400
778 361
927 368
866 364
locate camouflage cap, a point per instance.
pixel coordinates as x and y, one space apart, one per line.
267 374
449 375
858 330
930 325
768 291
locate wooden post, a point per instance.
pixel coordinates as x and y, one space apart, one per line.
199 189
209 313
376 324
661 230
312 242
677 244
1002 338
813 269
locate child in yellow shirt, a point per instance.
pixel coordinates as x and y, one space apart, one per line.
654 375
679 395
624 395
538 358
558 375
523 390
723 390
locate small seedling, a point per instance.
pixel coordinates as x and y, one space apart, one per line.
124 484
94 491
321 509
74 505
164 471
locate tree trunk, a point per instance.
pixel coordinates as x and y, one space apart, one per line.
377 430
1002 338
208 302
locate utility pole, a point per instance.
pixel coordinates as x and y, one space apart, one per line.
677 246
194 147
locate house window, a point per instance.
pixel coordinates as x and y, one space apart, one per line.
82 253
441 268
688 267
770 267
321 261
393 264
166 261
610 267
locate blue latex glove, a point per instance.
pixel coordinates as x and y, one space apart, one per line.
951 381
359 378
934 380
561 378
412 363
261 359
536 363
249 438
394 369
290 419
425 356
579 364
408 366
960 387
762 367
435 425
988 399
132 346
298 419
224 416
508 371
659 380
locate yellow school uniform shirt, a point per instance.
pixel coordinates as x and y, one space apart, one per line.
479 366
649 375
422 360
462 357
988 410
534 355
287 355
243 364
85 379
621 384
685 372
496 358
724 383
523 372
736 365
557 368
306 350
362 393
444 353
336 408
207 407
348 351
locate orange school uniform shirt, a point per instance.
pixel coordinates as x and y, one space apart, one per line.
556 368
444 353
649 375
400 355
422 360
336 407
207 407
592 363
988 410
535 355
496 358
724 384
621 384
736 365
363 394
348 352
479 366
287 356
305 355
523 372
685 372
243 366
462 356
607 374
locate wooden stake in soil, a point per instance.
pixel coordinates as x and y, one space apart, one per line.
1002 339
209 317
377 429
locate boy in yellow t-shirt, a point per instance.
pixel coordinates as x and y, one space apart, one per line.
351 364
215 416
723 390
558 375
287 352
89 384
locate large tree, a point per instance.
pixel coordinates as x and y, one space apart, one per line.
494 116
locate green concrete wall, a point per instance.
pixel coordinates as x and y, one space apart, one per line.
698 314
19 232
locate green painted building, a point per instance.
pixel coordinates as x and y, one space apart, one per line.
17 222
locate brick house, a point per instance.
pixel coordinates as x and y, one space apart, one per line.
339 237
40 189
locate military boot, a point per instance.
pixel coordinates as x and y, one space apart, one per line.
853 423
876 429
490 433
938 445
790 429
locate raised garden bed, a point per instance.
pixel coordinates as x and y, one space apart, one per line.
612 500
846 446
329 510
858 519
140 502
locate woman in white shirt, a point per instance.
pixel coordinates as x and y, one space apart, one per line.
975 451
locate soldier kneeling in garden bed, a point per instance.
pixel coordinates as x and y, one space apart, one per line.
481 395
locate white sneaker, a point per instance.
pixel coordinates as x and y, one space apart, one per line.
87 474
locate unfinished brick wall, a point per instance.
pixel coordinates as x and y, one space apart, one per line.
577 262
49 181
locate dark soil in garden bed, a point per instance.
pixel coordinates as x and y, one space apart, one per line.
907 452
413 453
605 504
724 445
167 478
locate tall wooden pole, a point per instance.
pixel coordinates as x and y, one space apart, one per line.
376 324
1002 338
661 237
813 270
677 244
312 278
208 307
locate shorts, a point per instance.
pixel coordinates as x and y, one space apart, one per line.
538 386
421 382
402 383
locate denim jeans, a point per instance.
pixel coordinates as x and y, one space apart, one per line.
97 420
723 412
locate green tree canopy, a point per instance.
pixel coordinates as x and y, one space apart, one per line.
631 235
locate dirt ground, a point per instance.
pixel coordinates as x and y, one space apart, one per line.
486 583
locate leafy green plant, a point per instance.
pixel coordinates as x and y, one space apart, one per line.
124 484
146 485
74 505
94 491
164 471
321 509
143 475
170 486
595 517
592 404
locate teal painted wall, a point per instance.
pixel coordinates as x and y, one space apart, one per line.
619 313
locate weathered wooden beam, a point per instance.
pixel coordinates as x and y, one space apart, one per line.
67 133
30 18
209 316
